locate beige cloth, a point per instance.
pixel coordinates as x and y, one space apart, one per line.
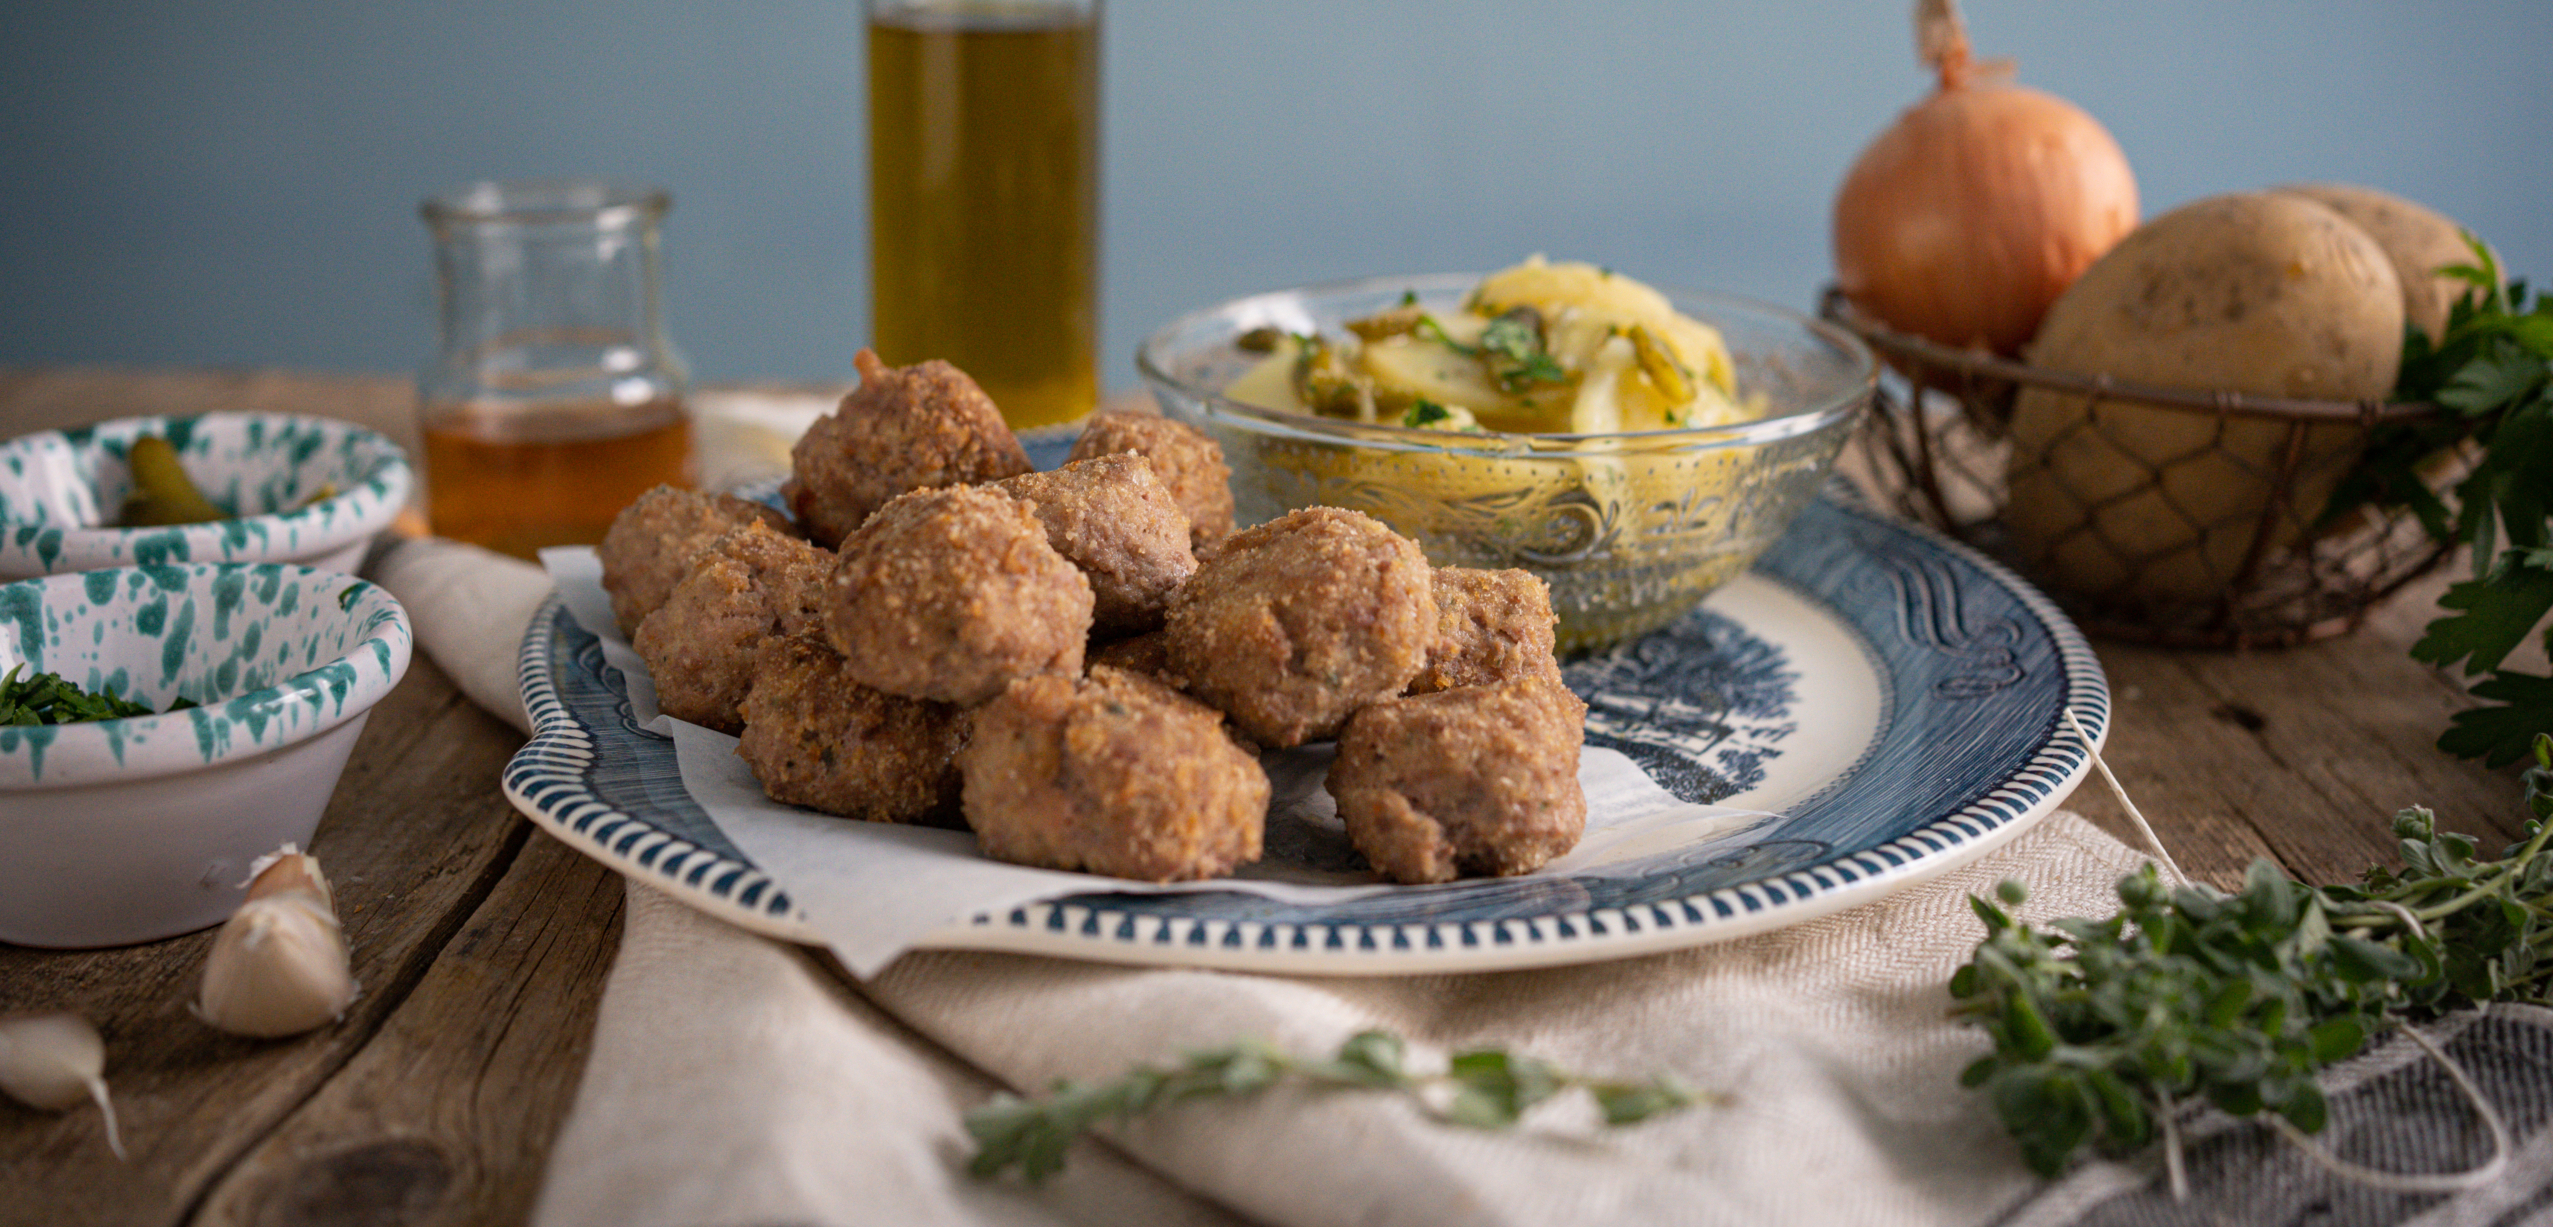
734 1080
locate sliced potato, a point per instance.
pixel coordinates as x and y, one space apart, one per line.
1431 369
1549 288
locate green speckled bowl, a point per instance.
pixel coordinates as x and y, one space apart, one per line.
59 489
123 831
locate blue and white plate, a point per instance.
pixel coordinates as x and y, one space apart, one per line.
1898 700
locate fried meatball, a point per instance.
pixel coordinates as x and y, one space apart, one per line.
1490 626
651 543
949 594
752 584
1294 624
1112 518
1114 773
904 428
1147 654
1186 459
816 738
1476 781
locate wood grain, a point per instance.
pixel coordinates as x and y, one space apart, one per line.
2301 754
446 1115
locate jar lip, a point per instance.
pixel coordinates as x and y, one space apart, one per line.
538 201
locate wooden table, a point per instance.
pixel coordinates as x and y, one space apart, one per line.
482 944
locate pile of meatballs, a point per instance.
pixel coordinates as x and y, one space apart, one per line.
1084 665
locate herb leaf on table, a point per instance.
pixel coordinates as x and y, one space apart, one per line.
1488 1089
2491 371
2102 1029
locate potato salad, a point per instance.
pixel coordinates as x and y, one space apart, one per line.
1539 348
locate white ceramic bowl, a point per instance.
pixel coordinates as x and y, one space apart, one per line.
130 830
59 488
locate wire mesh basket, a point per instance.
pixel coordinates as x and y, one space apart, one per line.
2165 516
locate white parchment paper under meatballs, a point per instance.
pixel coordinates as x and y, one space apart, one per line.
875 890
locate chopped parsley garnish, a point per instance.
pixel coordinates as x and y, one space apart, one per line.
1511 346
46 698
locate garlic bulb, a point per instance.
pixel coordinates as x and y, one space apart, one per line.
53 1061
278 967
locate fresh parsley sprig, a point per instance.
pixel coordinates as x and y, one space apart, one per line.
1489 1089
2104 1028
2491 371
46 698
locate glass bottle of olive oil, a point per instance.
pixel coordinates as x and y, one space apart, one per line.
984 195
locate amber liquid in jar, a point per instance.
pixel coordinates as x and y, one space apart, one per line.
984 198
516 480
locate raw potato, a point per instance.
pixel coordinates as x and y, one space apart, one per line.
2418 240
2264 294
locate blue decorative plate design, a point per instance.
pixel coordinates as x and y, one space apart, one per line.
1896 700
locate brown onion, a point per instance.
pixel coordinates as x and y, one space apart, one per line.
1971 213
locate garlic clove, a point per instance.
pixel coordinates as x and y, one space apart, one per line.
290 868
53 1061
278 967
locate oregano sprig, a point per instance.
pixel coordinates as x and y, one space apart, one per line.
2103 1028
1487 1089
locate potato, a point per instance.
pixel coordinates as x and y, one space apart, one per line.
2418 240
1549 287
2264 294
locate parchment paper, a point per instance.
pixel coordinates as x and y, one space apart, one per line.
874 890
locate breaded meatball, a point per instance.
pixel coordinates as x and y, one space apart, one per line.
651 543
904 428
1476 781
949 594
750 585
1147 654
1294 624
1186 459
816 738
1114 773
1112 518
1490 626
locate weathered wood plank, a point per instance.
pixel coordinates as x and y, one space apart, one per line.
414 840
447 1115
2302 754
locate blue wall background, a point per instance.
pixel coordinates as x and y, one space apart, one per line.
235 184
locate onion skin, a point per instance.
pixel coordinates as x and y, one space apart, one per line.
1970 214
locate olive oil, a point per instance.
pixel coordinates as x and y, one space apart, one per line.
516 480
984 197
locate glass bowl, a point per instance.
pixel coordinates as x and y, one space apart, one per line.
1630 529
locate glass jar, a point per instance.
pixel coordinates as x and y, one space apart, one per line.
556 399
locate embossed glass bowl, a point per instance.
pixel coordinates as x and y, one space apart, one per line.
121 831
1629 529
59 489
